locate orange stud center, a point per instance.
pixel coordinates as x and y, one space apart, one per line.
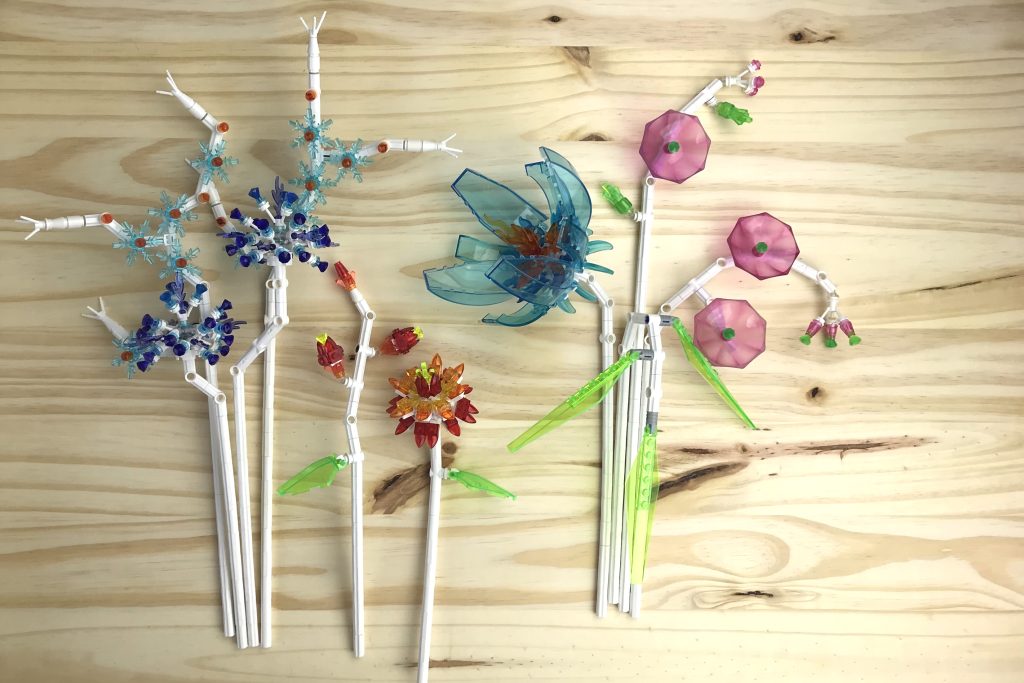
310 185
107 219
140 241
204 197
310 95
126 355
346 163
221 220
174 213
181 263
217 161
309 136
223 126
382 147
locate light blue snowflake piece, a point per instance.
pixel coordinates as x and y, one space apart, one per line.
136 242
178 262
168 223
310 133
213 163
349 159
313 181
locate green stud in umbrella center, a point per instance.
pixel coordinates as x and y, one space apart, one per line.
672 147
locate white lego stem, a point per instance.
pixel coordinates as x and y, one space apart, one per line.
191 106
607 341
267 483
116 329
363 353
821 279
696 284
405 145
93 220
643 251
639 382
230 503
430 563
313 62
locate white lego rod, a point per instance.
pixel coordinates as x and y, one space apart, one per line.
267 478
430 563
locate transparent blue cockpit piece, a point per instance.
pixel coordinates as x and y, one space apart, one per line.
539 255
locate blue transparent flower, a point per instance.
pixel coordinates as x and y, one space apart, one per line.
136 242
313 180
348 158
172 214
178 262
538 257
213 163
310 133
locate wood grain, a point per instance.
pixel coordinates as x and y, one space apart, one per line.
872 532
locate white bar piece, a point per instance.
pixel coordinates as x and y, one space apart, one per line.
430 563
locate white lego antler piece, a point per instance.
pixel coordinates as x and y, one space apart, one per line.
115 328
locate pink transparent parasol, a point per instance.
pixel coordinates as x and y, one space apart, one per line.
729 332
763 246
674 146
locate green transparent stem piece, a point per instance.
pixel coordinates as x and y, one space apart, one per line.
475 482
587 397
614 196
703 366
318 474
641 495
728 110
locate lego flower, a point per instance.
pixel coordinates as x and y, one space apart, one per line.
539 256
427 397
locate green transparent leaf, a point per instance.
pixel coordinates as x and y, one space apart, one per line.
704 367
319 474
475 482
641 495
587 397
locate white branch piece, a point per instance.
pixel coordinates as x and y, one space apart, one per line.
115 328
437 476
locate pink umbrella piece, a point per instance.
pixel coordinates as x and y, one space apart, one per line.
675 146
763 246
729 332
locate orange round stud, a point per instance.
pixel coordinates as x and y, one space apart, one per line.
174 213
204 197
181 262
346 163
140 241
221 220
217 161
309 136
223 126
310 185
126 355
310 95
382 147
107 218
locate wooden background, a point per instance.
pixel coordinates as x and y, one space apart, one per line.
871 533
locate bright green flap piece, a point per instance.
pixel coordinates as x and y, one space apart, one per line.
319 474
641 495
475 482
703 366
587 397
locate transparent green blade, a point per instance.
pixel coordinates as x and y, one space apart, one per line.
475 482
319 474
587 397
641 495
708 372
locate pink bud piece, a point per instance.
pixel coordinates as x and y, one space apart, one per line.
751 92
830 335
847 327
759 82
755 65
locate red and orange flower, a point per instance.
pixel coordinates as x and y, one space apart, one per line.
429 397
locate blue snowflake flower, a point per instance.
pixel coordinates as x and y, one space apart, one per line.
178 262
172 214
213 163
313 181
136 242
348 159
310 132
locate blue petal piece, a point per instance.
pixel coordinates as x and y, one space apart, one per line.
494 205
471 249
524 316
595 246
542 281
465 284
579 198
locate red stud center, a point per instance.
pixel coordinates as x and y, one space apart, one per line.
217 161
126 355
140 241
174 213
310 95
223 126
181 263
221 220
382 147
106 218
204 197
309 136
346 163
310 185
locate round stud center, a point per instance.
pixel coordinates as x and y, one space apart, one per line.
728 333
